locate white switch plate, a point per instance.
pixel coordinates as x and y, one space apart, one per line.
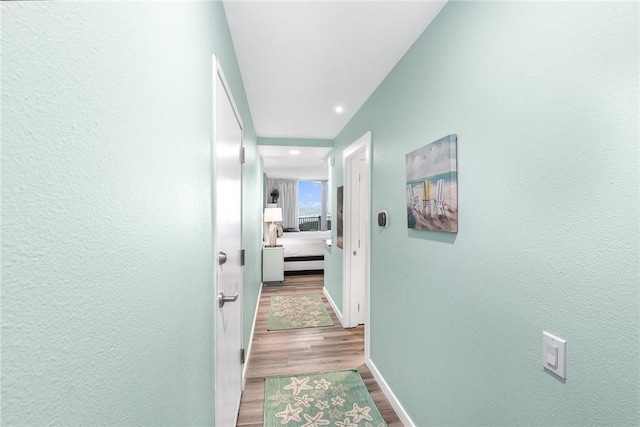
554 352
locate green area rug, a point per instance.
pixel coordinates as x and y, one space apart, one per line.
297 311
337 399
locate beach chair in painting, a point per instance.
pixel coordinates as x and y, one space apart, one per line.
426 197
412 198
439 198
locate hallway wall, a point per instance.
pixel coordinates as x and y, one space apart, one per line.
107 289
544 100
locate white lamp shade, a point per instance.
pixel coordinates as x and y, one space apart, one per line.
272 215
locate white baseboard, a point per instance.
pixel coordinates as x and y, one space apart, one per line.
253 328
333 305
395 403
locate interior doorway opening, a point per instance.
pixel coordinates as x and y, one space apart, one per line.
357 225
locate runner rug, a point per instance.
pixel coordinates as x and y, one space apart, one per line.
297 311
337 399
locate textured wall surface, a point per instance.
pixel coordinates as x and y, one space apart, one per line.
544 100
107 289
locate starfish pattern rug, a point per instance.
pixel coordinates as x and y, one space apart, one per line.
297 311
334 399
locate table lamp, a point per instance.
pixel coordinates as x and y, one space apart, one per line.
273 215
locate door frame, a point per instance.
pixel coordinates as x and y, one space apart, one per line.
218 73
349 305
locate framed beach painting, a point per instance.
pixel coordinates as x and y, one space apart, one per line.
432 186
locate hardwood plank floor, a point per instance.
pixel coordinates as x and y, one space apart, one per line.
300 351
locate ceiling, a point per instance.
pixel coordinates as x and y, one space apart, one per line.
300 60
307 165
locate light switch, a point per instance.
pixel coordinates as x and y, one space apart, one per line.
554 354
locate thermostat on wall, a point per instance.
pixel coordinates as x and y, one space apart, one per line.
382 219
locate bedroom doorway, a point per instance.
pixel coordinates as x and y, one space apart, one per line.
357 213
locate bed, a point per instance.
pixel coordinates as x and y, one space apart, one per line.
304 251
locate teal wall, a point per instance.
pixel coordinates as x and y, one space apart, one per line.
333 260
107 289
544 100
252 235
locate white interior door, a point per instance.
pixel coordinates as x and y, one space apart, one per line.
357 235
357 220
360 239
227 215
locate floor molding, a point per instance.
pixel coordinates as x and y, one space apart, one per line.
333 305
395 403
253 328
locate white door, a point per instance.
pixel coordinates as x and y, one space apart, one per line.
357 234
362 235
357 220
227 229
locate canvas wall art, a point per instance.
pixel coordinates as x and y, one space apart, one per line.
432 186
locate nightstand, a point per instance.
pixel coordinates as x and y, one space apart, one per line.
273 265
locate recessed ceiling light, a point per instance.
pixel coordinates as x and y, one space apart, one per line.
294 152
339 109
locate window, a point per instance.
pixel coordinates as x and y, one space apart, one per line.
312 205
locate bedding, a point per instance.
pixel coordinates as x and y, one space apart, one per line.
303 243
304 251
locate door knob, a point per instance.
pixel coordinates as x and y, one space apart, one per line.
222 298
222 257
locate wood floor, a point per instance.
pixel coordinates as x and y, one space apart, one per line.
300 351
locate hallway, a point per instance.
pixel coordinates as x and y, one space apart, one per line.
298 351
